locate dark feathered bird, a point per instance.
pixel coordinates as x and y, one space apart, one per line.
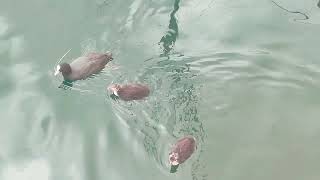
181 151
129 92
84 66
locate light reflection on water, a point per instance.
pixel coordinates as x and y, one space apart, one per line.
242 80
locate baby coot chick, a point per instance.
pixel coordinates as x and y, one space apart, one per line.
181 151
129 92
84 66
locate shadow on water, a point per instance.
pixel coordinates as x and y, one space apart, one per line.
318 4
169 39
171 111
181 97
66 85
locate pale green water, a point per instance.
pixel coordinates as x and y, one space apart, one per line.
243 78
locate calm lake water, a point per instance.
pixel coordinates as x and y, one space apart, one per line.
243 77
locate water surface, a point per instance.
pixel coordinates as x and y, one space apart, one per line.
241 76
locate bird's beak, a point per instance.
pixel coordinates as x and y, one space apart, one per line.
57 71
113 90
109 54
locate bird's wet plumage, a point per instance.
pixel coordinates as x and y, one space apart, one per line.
85 66
129 92
181 151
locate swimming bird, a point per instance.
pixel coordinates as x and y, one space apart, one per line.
84 66
129 92
181 151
